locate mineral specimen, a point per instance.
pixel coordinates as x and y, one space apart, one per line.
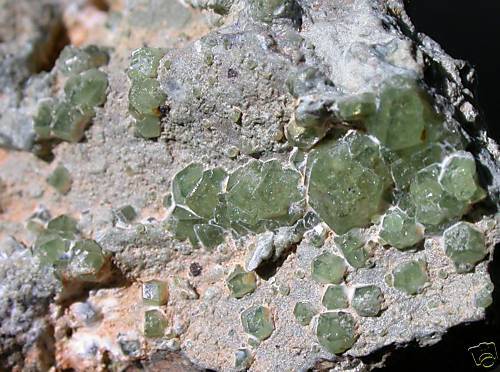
335 297
400 230
60 179
155 293
410 277
465 245
258 322
352 245
328 268
336 331
304 312
241 282
367 300
154 324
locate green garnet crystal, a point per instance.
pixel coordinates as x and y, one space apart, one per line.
43 119
74 60
70 121
145 98
204 196
367 300
154 324
87 89
336 331
304 312
258 322
400 230
328 268
126 214
241 282
410 277
144 63
155 292
347 181
148 126
335 297
51 249
353 247
60 179
210 236
185 181
87 261
465 245
64 226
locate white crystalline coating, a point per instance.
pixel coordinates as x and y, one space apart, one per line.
263 250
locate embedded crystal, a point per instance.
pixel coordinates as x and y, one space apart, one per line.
352 246
399 230
155 293
241 282
60 179
154 324
410 277
64 226
181 224
51 249
43 119
242 359
210 236
144 62
328 268
126 214
335 297
185 181
458 177
145 98
70 121
87 89
464 244
148 126
87 261
336 331
258 322
367 300
204 197
73 60
304 312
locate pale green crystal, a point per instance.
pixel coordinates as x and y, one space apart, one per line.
367 300
483 297
87 89
347 181
459 177
465 245
60 179
353 247
144 62
210 236
43 119
304 312
145 98
51 249
155 293
181 223
64 226
204 197
148 126
73 60
87 261
335 297
328 268
357 108
242 359
241 282
258 322
70 121
336 331
410 277
154 324
400 230
185 181
126 214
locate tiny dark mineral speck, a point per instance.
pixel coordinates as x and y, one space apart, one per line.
195 269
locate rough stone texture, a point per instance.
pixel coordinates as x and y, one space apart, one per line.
228 101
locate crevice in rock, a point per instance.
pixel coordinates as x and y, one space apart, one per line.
268 269
102 5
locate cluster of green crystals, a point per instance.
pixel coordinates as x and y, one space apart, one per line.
256 197
67 117
73 258
145 95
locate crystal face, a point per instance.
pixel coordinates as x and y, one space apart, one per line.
64 226
258 322
87 261
304 312
336 331
145 98
352 245
400 230
155 292
60 179
73 61
241 282
87 89
465 245
367 300
335 297
410 277
144 63
347 181
328 268
69 122
154 324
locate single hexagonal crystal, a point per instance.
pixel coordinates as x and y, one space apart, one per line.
328 268
465 245
336 331
304 312
335 298
87 261
60 179
352 245
154 324
144 62
410 277
210 236
73 60
155 292
70 121
64 226
458 177
347 181
241 282
145 98
148 126
367 300
258 322
400 230
87 88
